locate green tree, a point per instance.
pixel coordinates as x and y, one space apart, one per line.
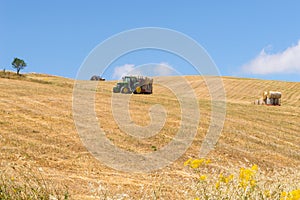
18 64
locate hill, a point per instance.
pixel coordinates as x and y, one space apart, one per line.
37 133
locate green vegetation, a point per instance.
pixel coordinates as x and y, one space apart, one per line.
31 77
18 64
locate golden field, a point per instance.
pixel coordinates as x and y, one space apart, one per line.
38 137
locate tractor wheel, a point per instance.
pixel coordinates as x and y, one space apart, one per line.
138 90
116 90
125 90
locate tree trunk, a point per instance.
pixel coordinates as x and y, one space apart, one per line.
18 70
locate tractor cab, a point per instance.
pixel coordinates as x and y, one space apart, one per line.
127 85
131 80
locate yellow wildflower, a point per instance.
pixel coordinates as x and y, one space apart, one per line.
217 185
295 194
196 163
187 162
243 184
292 195
283 195
247 177
203 177
254 168
246 174
267 193
252 183
222 178
207 161
229 178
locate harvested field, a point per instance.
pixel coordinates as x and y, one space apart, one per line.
37 133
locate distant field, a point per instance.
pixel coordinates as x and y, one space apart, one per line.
37 133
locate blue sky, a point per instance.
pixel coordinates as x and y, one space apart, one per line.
256 39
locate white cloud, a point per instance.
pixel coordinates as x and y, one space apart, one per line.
285 62
161 69
122 70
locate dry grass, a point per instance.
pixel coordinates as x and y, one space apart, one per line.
37 131
20 183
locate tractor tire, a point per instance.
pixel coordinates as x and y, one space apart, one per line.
116 90
125 90
138 90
